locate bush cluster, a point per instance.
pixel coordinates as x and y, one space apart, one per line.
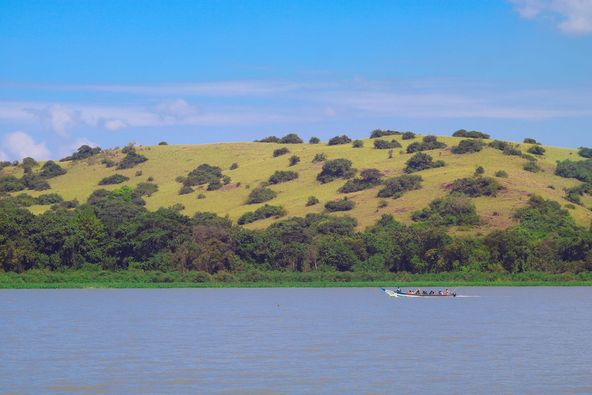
428 143
383 144
536 150
114 179
476 186
263 212
395 187
338 140
376 133
580 170
131 159
282 176
468 146
448 211
83 152
340 205
260 195
334 169
408 136
368 178
585 152
473 134
422 161
280 151
290 138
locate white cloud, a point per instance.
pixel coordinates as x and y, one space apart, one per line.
572 17
3 156
56 117
20 145
113 124
176 110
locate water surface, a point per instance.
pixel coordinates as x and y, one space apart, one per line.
510 340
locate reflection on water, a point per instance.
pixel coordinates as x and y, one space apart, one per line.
534 340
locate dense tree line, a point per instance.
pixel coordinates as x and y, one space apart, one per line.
114 231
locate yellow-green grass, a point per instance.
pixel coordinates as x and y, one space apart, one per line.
256 164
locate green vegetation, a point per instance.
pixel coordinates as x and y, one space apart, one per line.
314 140
501 174
369 178
338 140
84 152
476 186
51 169
468 146
340 205
335 169
131 159
536 150
529 140
408 136
290 138
263 212
422 161
357 144
280 152
580 170
532 167
294 160
320 157
451 210
114 179
428 143
376 133
281 176
383 144
585 152
311 201
470 134
260 195
395 187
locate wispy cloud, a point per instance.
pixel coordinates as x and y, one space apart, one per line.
573 17
19 145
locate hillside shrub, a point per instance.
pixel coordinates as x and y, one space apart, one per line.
49 198
408 136
108 162
83 152
532 167
131 159
580 170
536 150
428 143
422 161
585 152
480 170
500 145
368 178
215 185
321 157
334 169
376 133
145 189
574 194
35 182
234 166
314 140
263 212
114 179
50 169
29 162
294 159
340 205
163 143
512 151
448 211
470 134
530 141
357 144
311 201
476 186
501 174
280 151
338 140
383 144
468 146
291 138
202 174
281 176
11 184
260 195
185 190
396 187
269 139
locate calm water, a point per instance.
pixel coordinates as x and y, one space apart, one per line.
511 340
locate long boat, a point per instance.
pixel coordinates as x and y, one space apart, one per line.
395 294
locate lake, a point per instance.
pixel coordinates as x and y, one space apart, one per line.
509 340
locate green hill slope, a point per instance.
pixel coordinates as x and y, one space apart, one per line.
256 163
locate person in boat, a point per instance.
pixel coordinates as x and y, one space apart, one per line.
399 290
432 292
424 292
440 292
447 294
418 292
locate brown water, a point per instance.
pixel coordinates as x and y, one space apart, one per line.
510 340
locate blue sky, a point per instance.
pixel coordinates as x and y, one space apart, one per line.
111 72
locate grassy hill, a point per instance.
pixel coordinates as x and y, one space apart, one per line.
256 163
